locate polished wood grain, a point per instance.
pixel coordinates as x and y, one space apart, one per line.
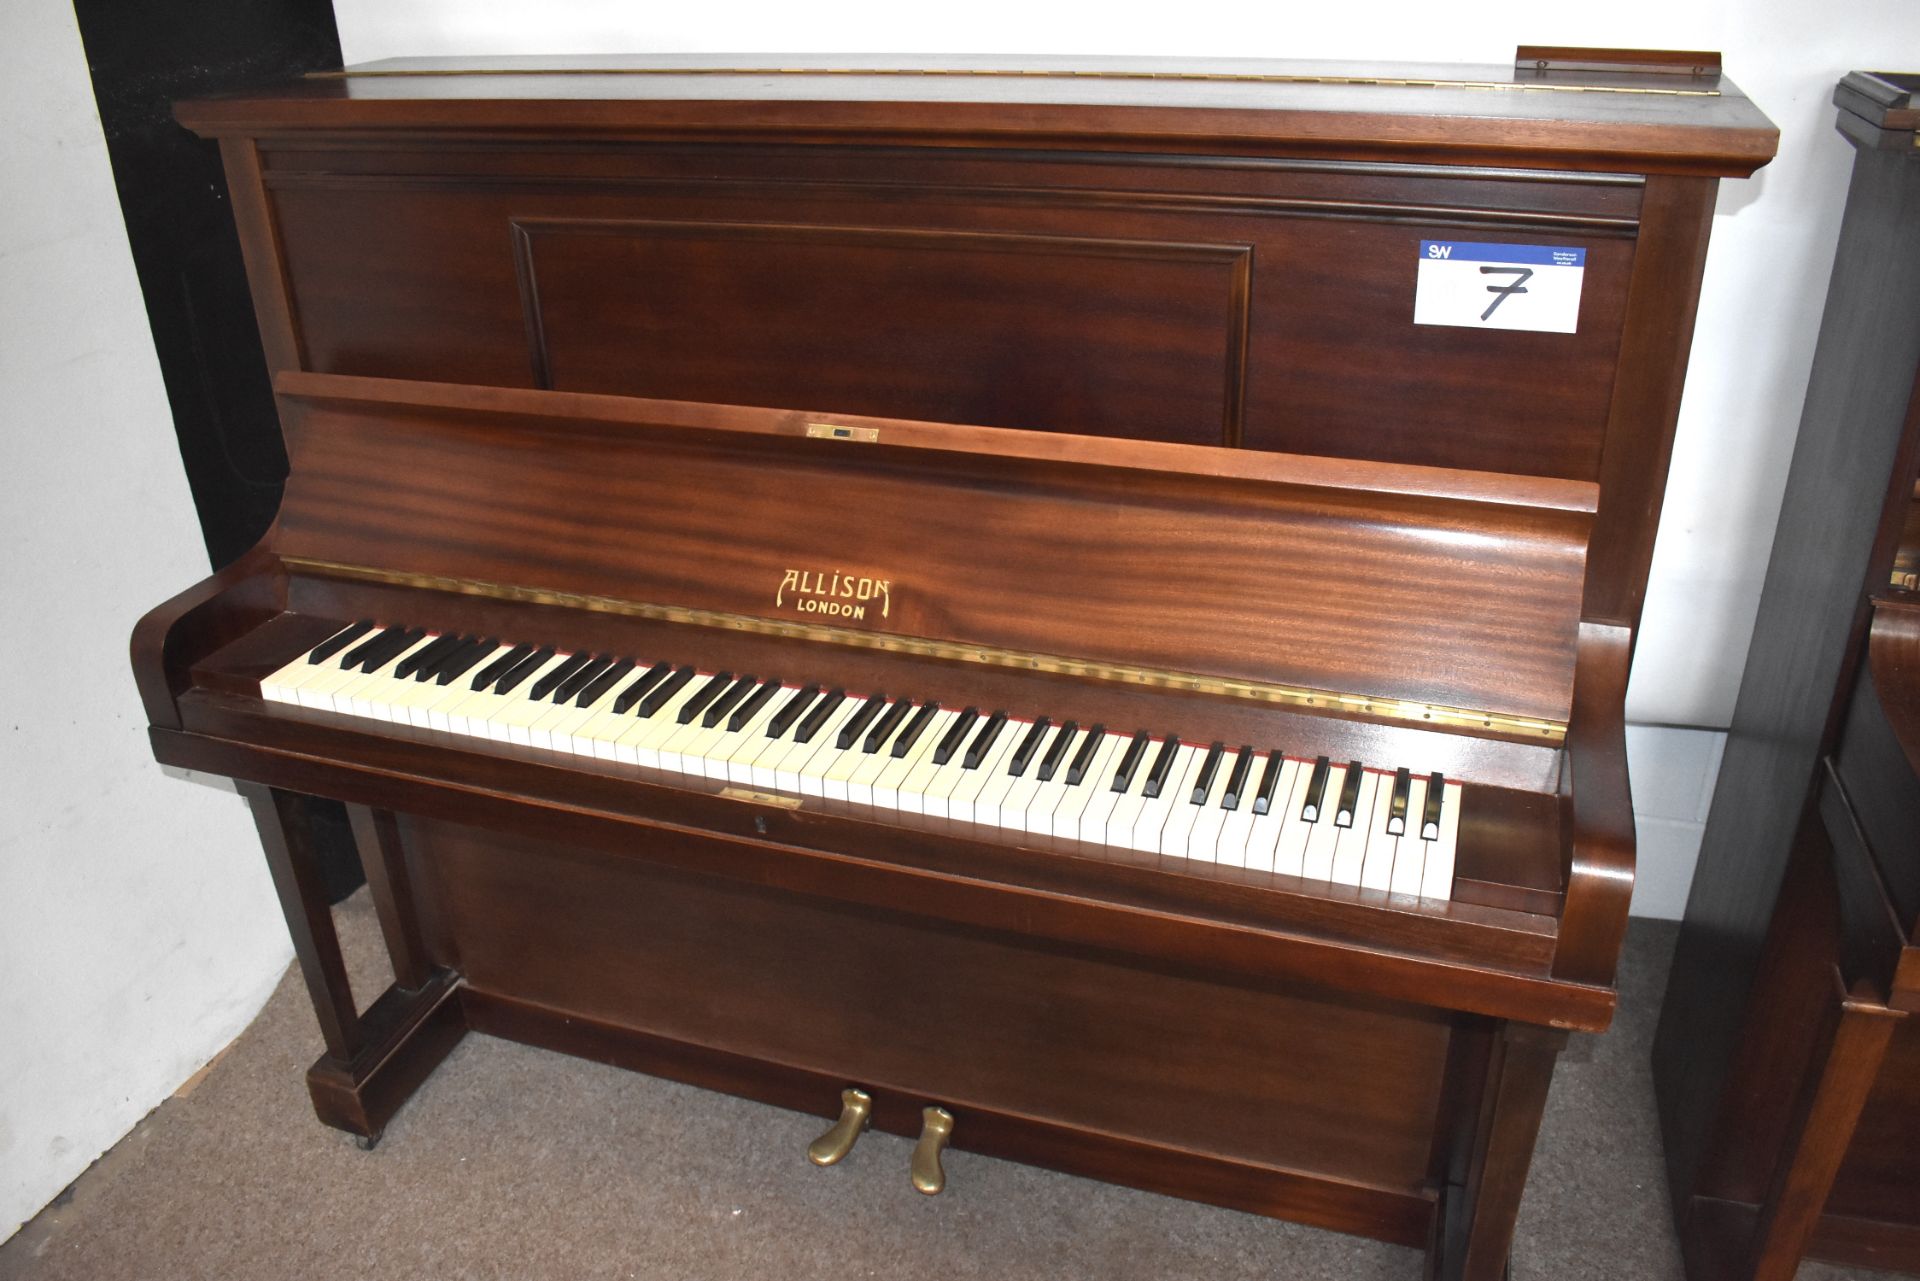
1445 115
1795 970
1270 581
1134 406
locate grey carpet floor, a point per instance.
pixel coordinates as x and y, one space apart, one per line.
515 1162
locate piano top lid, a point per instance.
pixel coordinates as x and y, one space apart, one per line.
1652 114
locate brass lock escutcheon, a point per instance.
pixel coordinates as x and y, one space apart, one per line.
856 1113
936 1128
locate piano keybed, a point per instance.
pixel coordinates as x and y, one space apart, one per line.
1345 823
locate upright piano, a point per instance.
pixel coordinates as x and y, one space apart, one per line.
1788 1059
1075 608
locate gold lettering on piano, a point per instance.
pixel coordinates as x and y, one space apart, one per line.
833 593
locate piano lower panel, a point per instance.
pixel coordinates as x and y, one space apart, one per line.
1273 1098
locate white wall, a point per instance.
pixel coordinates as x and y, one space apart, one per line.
138 933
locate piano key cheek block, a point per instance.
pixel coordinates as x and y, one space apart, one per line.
1126 677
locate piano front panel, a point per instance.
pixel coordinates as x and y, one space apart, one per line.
1264 304
1277 1074
1449 602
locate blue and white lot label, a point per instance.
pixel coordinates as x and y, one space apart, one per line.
1483 286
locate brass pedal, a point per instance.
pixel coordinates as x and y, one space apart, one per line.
856 1113
936 1128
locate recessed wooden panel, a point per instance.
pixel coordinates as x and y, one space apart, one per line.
1340 368
1131 338
1341 1087
1269 306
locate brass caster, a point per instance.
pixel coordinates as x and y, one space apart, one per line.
936 1128
856 1113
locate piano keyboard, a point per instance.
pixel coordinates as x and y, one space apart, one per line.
1340 822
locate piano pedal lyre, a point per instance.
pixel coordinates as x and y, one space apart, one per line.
856 1114
936 1129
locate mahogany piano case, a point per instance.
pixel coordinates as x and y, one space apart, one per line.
961 598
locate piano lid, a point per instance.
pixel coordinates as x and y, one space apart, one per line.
1636 119
1293 579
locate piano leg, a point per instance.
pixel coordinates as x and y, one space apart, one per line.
1504 1070
373 1062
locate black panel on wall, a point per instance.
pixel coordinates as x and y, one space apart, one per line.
144 55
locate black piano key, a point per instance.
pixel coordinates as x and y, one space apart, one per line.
465 659
1203 786
822 711
1029 748
642 685
1430 812
719 707
1162 766
557 675
499 667
430 667
665 691
855 725
583 676
751 708
396 641
882 732
1123 776
1237 781
915 728
1397 805
956 734
1349 794
1316 797
795 708
983 741
1083 759
358 654
698 700
597 688
339 640
1269 781
1057 751
429 652
523 669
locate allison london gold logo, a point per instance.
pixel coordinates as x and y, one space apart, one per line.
833 593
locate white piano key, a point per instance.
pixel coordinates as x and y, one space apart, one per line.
1264 838
513 721
834 772
1376 870
1181 811
1410 852
1436 880
963 801
992 808
367 697
1316 860
1070 814
1350 852
640 745
1125 823
901 784
803 770
731 760
1034 801
1289 855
